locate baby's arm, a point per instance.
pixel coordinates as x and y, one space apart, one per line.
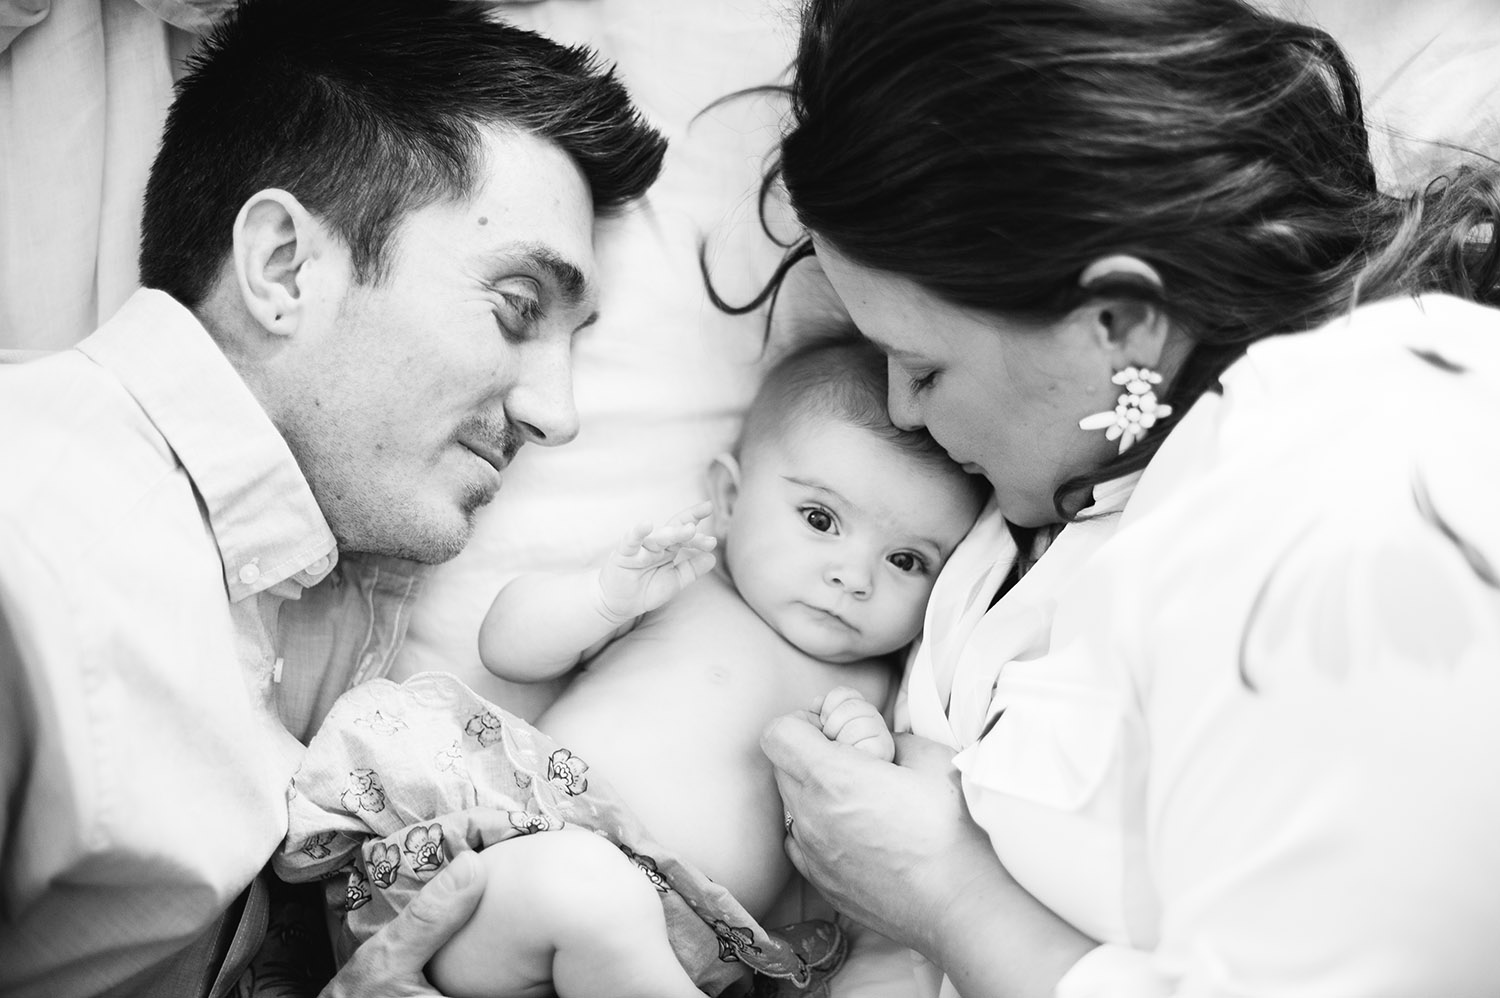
542 625
846 716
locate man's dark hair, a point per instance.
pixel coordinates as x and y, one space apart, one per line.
365 110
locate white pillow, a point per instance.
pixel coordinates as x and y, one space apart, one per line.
1429 72
663 378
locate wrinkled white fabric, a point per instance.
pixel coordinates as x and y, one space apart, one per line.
1243 732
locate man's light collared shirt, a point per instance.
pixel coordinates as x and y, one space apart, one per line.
152 524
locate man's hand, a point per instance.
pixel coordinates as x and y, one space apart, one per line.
390 963
654 564
848 718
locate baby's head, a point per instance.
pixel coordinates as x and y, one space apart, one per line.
832 522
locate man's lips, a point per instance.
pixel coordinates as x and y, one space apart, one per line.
495 457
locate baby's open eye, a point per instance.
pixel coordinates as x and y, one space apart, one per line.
905 561
819 519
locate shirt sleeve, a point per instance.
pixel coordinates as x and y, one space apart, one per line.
16 733
1326 821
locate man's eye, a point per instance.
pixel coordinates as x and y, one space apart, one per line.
905 561
819 519
525 308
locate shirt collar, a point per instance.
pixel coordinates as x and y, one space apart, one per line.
1111 496
264 518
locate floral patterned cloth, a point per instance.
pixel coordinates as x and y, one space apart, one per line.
385 796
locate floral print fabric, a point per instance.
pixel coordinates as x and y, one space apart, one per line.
385 798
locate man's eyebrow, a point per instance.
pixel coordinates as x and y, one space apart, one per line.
572 286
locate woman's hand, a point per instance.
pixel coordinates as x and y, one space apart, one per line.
893 847
883 842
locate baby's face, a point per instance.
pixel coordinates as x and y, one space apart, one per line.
836 536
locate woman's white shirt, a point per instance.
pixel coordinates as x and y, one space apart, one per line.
1244 731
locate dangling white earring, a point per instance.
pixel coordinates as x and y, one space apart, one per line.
1136 411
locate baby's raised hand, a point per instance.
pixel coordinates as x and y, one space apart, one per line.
846 716
655 563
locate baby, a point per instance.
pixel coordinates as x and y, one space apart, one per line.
830 525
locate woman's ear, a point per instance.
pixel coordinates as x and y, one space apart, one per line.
1128 323
275 242
723 490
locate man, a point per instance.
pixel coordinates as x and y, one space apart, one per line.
367 241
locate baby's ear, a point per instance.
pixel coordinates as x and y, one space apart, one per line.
723 489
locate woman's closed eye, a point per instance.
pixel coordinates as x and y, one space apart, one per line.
916 384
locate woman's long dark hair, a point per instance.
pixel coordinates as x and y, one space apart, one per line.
990 149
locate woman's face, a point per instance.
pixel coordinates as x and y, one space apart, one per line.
1002 398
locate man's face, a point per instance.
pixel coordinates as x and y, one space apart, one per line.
435 375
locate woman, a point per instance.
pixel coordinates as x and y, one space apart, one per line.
1221 669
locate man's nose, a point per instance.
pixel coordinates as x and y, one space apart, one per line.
541 404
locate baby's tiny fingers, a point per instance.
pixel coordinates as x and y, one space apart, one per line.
837 697
631 542
667 537
864 732
694 514
836 716
702 542
695 566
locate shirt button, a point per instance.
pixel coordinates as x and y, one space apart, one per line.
249 573
318 567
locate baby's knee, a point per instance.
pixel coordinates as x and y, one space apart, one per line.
569 891
591 881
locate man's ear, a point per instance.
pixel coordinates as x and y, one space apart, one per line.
1127 321
276 242
723 490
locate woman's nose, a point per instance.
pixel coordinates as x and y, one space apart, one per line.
900 402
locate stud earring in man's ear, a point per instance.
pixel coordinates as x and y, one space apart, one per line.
1136 410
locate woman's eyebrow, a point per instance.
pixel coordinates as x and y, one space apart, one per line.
899 354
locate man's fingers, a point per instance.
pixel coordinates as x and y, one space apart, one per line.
439 910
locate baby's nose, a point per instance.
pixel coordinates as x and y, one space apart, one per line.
850 578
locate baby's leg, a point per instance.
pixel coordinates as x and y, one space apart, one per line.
562 910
